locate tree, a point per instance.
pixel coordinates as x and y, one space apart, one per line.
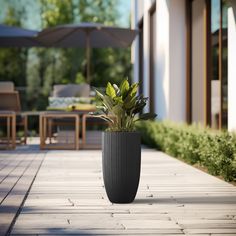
13 60
44 67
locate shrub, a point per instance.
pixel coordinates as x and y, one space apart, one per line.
215 151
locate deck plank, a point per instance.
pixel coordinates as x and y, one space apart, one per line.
68 198
19 174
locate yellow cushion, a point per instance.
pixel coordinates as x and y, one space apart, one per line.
82 107
57 108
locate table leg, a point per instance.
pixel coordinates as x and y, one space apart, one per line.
84 131
25 128
41 134
14 131
40 130
77 132
50 130
8 130
44 130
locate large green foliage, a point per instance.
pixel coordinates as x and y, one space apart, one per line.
120 105
13 60
39 69
215 151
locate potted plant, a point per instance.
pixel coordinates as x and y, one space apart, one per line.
121 144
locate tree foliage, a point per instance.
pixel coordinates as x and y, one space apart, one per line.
13 60
40 68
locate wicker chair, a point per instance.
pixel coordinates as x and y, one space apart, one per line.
10 101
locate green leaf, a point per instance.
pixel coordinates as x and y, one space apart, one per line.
108 102
96 113
133 89
116 89
118 100
147 116
130 103
106 118
117 110
102 116
124 88
110 91
102 109
131 94
100 95
140 104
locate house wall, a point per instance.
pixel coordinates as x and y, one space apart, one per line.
170 67
177 57
146 45
162 80
170 64
135 45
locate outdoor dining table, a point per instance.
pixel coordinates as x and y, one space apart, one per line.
46 121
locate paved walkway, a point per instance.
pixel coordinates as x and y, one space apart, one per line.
68 197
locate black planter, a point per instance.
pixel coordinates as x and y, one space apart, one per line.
121 165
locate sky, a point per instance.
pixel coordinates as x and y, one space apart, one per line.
125 9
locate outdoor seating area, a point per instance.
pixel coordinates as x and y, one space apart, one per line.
63 125
64 122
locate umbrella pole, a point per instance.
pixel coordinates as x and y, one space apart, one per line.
88 57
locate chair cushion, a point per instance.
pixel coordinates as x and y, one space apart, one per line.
64 102
6 86
10 101
71 90
82 107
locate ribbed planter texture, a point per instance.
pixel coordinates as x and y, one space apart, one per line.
121 161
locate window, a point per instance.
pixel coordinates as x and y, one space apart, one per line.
207 79
219 98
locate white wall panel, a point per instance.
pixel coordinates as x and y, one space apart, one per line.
135 45
170 58
162 66
146 45
177 96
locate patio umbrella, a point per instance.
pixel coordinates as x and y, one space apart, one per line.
87 35
17 37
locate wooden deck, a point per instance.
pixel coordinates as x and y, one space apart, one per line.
67 197
17 172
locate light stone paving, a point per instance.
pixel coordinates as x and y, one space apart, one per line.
68 198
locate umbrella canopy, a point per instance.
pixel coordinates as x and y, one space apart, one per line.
87 35
17 37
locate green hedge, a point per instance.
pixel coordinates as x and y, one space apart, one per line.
215 151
